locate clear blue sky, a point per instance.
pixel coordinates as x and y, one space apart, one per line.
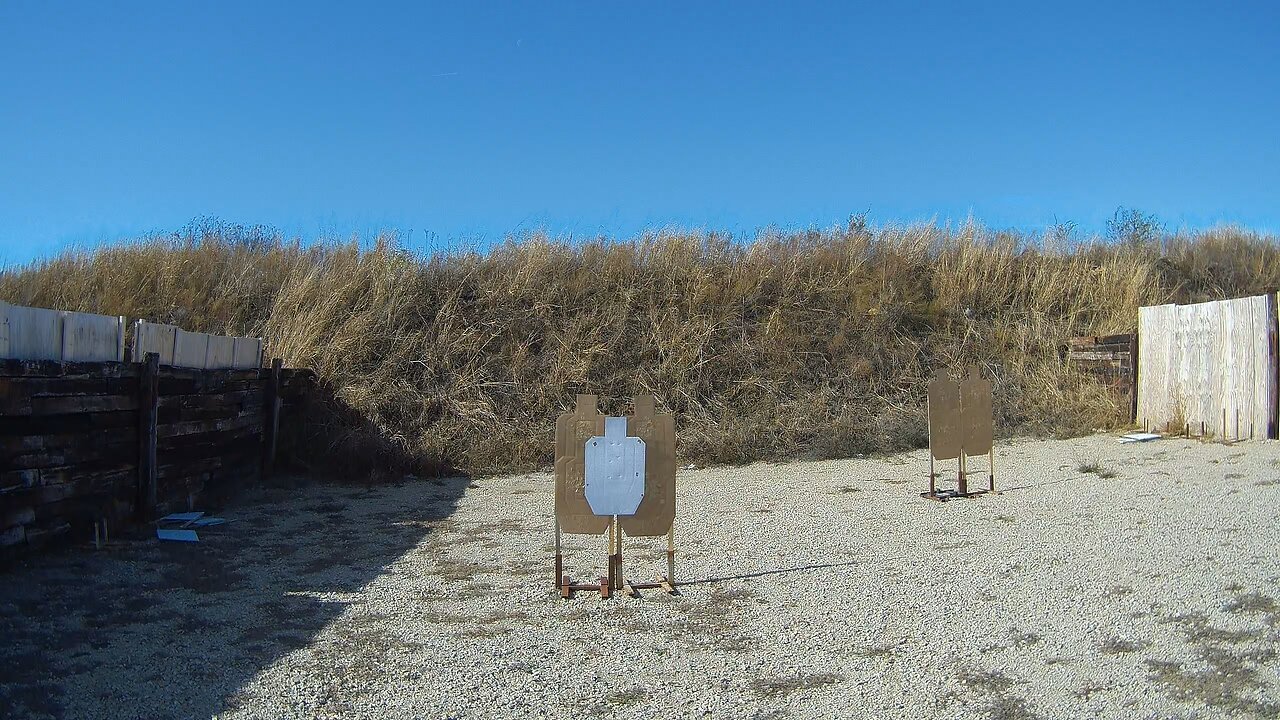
326 119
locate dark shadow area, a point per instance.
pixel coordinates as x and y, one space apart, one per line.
321 435
764 573
151 629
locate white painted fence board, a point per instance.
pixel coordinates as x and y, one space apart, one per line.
190 349
221 352
31 333
1209 363
28 333
92 338
248 353
180 348
155 338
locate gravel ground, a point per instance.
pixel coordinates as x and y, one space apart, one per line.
1106 580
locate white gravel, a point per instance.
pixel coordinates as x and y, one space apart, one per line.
813 589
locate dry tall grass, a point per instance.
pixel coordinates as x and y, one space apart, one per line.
813 343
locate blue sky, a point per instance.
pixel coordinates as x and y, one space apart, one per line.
474 120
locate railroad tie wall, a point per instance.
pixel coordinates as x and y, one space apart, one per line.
209 433
125 442
68 446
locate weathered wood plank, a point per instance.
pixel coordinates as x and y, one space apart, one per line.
1121 340
149 405
50 457
271 422
53 368
1207 363
61 424
1109 355
196 443
233 399
203 386
13 444
204 426
64 404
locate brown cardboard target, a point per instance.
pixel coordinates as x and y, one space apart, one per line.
657 510
945 435
572 432
975 406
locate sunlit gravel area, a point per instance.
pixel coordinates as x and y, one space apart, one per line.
1104 580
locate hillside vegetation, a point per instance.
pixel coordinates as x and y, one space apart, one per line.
796 344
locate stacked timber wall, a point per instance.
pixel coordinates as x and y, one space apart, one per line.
1112 359
123 442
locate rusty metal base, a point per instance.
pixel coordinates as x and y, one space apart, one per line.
945 495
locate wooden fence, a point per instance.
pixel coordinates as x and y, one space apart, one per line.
1111 359
83 442
180 348
29 333
1209 368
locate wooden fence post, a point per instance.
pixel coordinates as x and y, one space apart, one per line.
1273 323
148 415
1133 377
271 422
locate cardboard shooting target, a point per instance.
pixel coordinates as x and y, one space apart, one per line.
572 432
975 406
945 433
657 510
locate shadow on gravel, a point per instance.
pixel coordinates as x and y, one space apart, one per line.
143 629
763 573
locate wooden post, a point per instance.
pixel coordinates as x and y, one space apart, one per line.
1273 324
671 557
933 487
559 557
1133 377
612 568
618 575
271 421
148 415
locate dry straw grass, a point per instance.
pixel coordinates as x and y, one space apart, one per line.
811 343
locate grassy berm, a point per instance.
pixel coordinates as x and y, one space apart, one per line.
810 344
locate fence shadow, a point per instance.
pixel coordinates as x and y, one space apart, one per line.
143 628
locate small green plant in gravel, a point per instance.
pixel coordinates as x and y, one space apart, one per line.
1097 468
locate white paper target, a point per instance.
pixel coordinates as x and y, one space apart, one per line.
614 470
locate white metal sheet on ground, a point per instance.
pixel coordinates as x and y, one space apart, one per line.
614 470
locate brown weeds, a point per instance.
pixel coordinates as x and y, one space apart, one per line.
801 343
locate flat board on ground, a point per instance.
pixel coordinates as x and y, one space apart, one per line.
819 590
